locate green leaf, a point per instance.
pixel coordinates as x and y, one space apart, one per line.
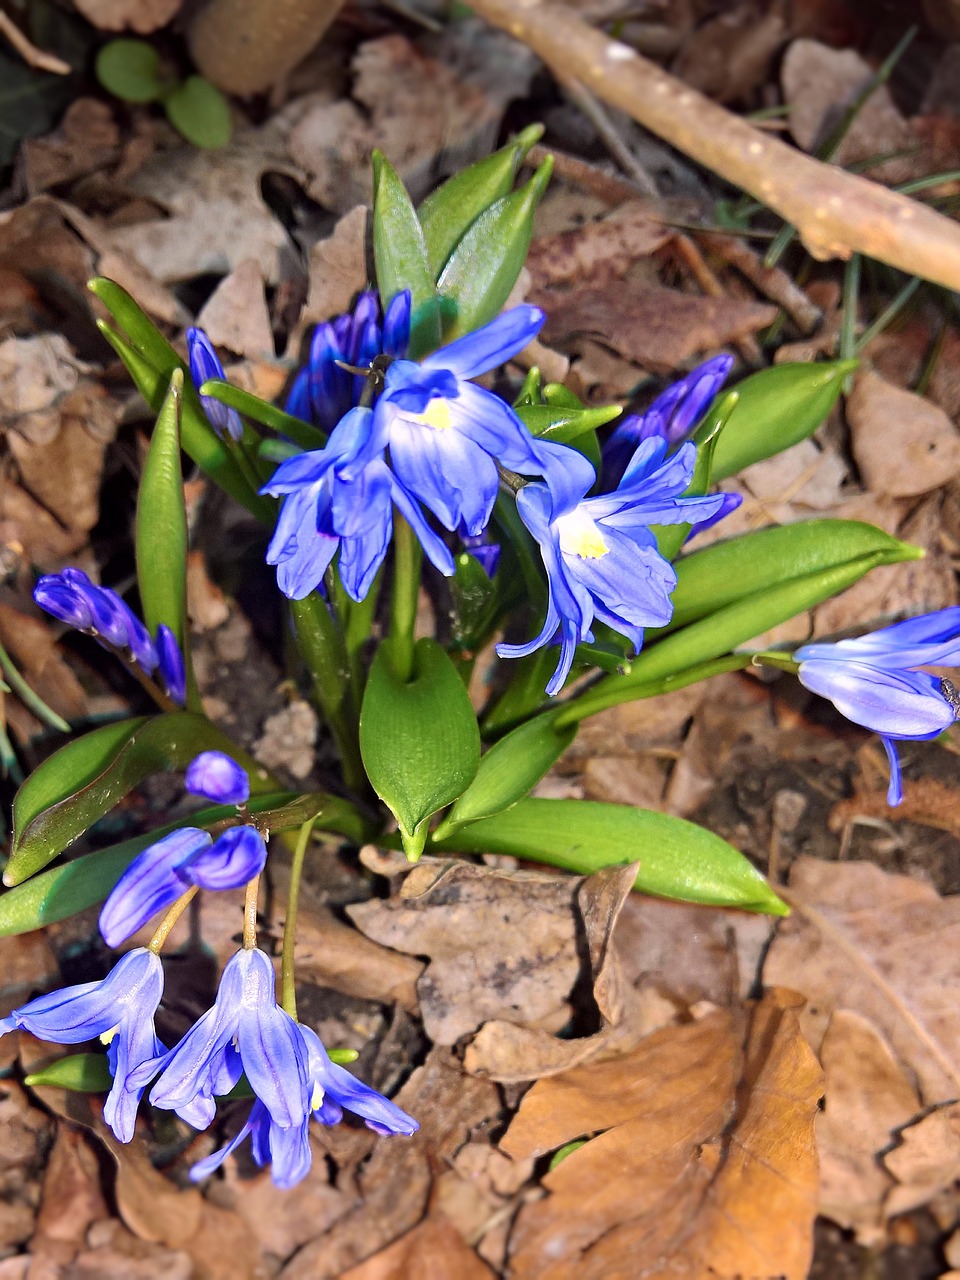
524 695
777 407
473 600
561 1153
130 70
419 741
724 572
508 770
270 415
200 113
150 361
678 859
721 632
671 537
84 780
561 424
484 266
161 540
65 890
400 257
80 1072
447 212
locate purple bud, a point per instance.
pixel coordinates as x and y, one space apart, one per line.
111 617
488 557
204 365
297 403
170 663
366 311
396 326
698 389
64 601
328 383
233 860
217 777
141 646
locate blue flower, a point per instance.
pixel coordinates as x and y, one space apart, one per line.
217 777
671 416
600 556
245 1033
120 1009
165 870
337 501
72 598
332 1090
204 365
873 681
447 435
322 391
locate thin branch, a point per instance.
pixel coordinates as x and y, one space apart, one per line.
29 52
835 213
770 281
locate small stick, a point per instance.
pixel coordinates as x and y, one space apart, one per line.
770 281
693 259
29 52
591 107
609 187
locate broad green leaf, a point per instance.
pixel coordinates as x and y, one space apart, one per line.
447 212
400 257
562 424
777 407
524 695
200 112
678 859
150 361
508 770
161 541
79 1072
130 70
727 571
473 600
84 780
721 632
306 436
484 266
63 891
419 740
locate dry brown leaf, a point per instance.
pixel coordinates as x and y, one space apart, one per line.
728 57
152 1206
31 644
142 16
288 739
654 327
884 946
235 316
86 140
283 1219
72 1198
113 1253
601 250
337 271
432 1251
903 444
394 1184
36 375
686 1201
64 474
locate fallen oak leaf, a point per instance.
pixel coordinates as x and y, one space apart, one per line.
434 1250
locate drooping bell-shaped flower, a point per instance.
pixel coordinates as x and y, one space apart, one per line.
204 365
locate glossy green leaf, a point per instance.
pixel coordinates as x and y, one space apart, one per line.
84 780
130 70
562 424
62 891
150 361
79 1072
419 740
270 415
400 257
721 632
161 539
447 212
777 408
200 112
484 266
727 571
472 600
508 770
524 695
678 859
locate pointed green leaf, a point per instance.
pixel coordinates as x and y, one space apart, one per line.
678 859
777 408
473 600
727 571
419 740
400 257
562 424
306 436
671 537
484 266
508 770
79 1072
447 212
84 780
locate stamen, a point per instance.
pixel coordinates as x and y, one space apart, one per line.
581 536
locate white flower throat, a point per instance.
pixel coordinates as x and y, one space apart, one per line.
580 535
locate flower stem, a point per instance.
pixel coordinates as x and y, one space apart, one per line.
770 658
322 646
288 988
170 919
408 557
250 914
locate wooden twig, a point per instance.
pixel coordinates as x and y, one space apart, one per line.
587 102
694 261
29 52
770 281
835 213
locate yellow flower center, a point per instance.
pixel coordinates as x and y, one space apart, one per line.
436 414
580 536
107 1036
316 1099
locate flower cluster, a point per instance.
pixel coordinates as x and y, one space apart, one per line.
873 680
245 1034
72 598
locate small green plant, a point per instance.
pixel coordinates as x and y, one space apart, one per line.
133 71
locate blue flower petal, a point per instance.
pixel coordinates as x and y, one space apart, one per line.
895 786
273 1054
64 601
150 884
900 704
217 777
453 477
352 1094
491 346
232 861
931 640
171 665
